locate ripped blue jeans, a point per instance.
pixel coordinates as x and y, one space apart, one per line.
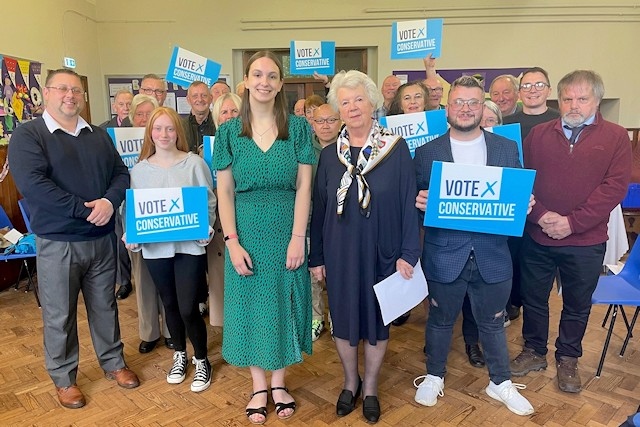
487 304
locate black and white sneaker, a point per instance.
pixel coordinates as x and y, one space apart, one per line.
202 377
179 369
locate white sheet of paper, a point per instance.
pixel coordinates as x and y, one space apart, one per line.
397 295
13 236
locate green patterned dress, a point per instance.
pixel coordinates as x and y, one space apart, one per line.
267 316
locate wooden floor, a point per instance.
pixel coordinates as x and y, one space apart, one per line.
27 396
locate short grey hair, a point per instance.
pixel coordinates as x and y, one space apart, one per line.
512 80
589 77
352 79
466 81
138 100
493 107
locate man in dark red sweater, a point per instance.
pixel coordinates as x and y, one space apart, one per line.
583 165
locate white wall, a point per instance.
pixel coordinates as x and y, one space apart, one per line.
136 37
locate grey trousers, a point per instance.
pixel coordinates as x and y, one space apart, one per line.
65 269
150 307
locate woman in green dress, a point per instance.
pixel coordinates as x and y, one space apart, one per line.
264 160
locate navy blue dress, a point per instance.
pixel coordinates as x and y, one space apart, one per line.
357 251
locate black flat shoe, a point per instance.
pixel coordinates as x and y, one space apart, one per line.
347 401
475 355
282 406
402 319
261 410
147 346
168 342
371 409
123 292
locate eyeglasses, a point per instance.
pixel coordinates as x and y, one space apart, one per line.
490 121
63 90
526 87
330 120
149 91
142 114
473 104
435 89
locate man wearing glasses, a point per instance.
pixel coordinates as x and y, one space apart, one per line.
73 192
153 85
434 84
326 125
534 91
458 263
583 165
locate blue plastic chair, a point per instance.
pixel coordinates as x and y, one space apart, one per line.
6 222
617 291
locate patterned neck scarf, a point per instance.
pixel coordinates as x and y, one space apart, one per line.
378 145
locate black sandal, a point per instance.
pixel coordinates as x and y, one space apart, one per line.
261 410
282 406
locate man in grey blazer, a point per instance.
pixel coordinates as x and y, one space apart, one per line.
456 263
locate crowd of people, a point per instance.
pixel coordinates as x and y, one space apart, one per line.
322 196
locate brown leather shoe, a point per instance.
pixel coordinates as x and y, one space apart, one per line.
70 397
125 377
568 376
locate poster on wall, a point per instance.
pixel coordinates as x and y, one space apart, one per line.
20 94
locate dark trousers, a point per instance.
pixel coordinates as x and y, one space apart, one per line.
487 304
123 272
469 325
579 268
515 243
177 280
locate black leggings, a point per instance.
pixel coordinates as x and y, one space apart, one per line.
177 280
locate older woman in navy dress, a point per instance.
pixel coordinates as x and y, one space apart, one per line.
364 228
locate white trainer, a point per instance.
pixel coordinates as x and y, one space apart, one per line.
507 393
429 389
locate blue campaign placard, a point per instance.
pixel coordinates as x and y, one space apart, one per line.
483 199
167 214
128 142
417 128
207 155
416 39
186 67
512 132
309 56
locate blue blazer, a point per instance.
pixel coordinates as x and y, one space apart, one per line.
445 252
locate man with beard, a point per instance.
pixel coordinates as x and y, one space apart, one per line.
583 165
458 263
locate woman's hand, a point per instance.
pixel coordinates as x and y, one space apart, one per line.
205 242
404 268
421 200
295 252
319 273
133 247
240 258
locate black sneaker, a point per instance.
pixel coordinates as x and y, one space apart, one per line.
179 369
202 377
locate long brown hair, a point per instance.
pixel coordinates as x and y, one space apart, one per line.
280 105
148 146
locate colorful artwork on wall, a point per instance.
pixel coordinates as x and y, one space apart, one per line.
20 94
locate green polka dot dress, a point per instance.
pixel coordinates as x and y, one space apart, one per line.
267 316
